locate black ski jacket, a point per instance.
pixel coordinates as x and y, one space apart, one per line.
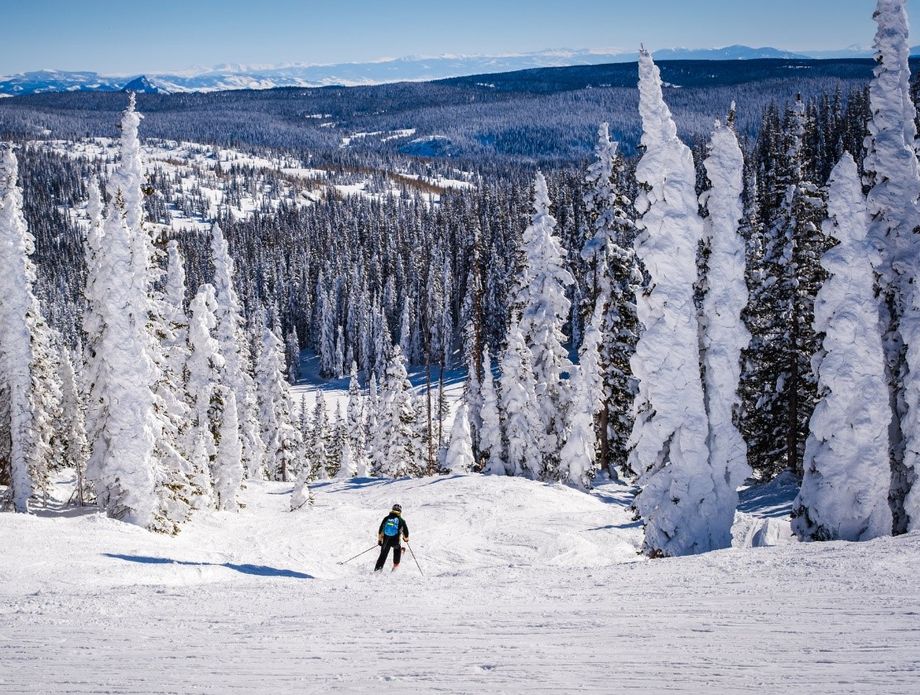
403 527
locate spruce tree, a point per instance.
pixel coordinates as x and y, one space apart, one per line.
844 493
677 501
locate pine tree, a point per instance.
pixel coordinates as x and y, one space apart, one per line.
844 493
724 333
204 369
283 441
893 176
373 428
74 444
227 464
546 308
523 428
19 319
459 457
319 452
579 463
123 464
490 432
398 420
234 349
677 501
356 426
614 277
292 357
780 389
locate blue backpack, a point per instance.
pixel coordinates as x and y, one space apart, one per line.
391 527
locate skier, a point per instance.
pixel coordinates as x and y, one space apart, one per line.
392 526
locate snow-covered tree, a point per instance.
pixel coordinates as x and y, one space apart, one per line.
234 349
227 464
579 462
356 427
283 441
613 276
373 430
174 303
19 320
778 386
490 432
546 309
844 493
320 438
678 501
523 428
893 175
724 332
459 457
292 357
302 496
122 466
74 444
203 370
398 420
92 324
347 468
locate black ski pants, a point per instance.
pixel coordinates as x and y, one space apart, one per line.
389 542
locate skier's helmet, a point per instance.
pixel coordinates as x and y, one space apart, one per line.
397 508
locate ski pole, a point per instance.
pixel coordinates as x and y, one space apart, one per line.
356 556
412 553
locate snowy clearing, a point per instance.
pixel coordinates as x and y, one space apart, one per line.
527 586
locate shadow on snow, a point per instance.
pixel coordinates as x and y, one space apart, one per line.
257 570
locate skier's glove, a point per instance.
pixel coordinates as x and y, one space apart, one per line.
379 542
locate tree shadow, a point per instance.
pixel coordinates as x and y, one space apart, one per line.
257 570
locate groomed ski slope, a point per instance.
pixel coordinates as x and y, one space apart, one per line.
528 588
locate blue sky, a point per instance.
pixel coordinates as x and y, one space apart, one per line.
160 35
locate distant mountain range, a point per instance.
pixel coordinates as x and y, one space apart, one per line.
411 69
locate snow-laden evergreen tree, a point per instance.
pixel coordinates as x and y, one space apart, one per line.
517 394
373 431
176 348
397 421
356 426
490 432
339 352
93 293
320 438
123 466
75 447
779 388
405 330
282 440
19 321
678 501
844 494
893 176
234 348
579 461
136 465
546 309
613 276
347 468
302 496
459 458
203 370
227 464
292 357
724 332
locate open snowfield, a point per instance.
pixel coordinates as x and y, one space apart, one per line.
527 587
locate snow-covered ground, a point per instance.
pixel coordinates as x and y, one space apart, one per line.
527 587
